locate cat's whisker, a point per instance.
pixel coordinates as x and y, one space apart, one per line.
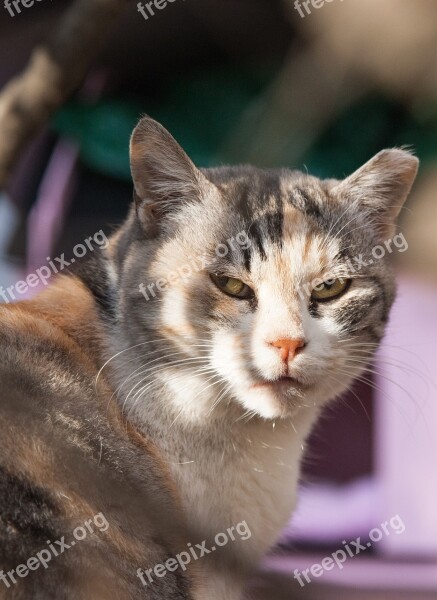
157 370
249 414
119 388
161 366
327 239
361 226
379 389
153 341
221 395
160 350
201 392
181 411
164 366
150 384
380 362
118 354
352 391
375 222
162 358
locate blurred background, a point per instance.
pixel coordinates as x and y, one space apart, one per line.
320 85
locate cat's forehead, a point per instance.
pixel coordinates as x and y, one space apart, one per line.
290 248
275 206
253 193
286 216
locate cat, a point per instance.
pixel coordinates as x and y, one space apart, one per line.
180 415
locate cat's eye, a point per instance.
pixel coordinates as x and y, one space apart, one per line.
233 287
328 290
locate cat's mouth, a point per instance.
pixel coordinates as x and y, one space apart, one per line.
283 383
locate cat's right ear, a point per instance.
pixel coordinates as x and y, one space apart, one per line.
164 176
381 187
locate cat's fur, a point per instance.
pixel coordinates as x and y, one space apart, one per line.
185 433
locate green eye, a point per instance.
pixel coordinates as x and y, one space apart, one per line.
328 290
233 287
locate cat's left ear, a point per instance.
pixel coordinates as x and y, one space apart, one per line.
381 186
164 176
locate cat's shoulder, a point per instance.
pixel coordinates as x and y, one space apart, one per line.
63 318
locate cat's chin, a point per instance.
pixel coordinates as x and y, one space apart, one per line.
285 397
283 385
281 398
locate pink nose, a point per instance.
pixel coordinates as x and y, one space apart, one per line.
288 348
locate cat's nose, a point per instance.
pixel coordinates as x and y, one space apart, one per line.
288 348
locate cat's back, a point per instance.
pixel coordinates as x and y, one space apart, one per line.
71 466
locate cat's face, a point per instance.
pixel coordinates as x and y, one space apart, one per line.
259 283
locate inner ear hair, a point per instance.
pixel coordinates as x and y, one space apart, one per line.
164 176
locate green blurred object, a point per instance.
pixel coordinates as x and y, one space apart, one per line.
103 132
199 110
366 128
202 109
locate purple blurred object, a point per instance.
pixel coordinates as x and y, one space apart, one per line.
406 446
46 219
405 479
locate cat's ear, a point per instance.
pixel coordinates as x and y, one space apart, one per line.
163 175
381 186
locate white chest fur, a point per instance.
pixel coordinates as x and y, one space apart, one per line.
228 471
250 474
247 473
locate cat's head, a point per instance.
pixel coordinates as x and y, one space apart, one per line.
259 287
